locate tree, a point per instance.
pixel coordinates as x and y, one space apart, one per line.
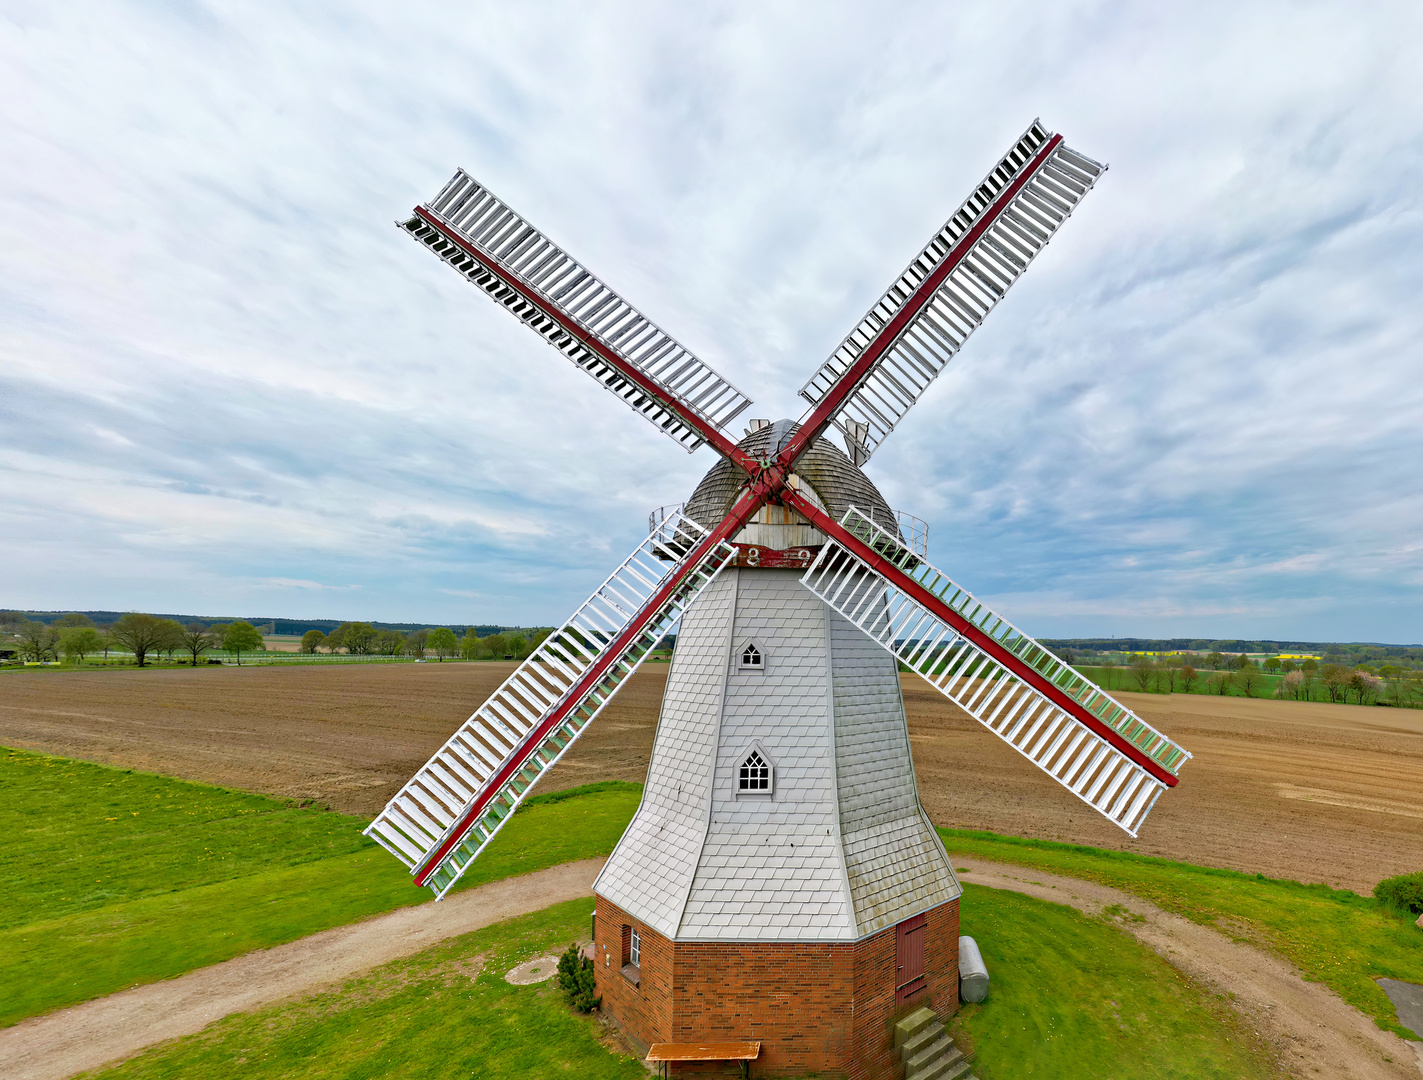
388 643
1366 685
442 639
1290 685
141 634
1241 662
241 637
1336 681
1219 683
312 640
1286 666
337 638
38 641
172 637
1272 664
415 643
1310 666
1188 678
496 645
198 639
1142 671
359 638
73 619
1214 660
577 980
77 642
518 646
471 646
1248 678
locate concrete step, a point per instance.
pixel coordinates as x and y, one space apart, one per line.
931 1055
927 1036
913 1024
947 1069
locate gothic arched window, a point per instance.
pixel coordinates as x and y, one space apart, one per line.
754 775
751 657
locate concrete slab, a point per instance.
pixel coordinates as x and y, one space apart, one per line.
1407 1000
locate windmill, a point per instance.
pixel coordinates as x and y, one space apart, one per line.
780 882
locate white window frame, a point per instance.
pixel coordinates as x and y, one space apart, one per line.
769 791
739 660
635 947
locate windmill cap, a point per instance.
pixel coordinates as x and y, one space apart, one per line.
824 467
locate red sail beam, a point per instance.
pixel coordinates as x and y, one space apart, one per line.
750 500
896 577
712 434
829 405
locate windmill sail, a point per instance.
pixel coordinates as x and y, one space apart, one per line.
952 285
550 291
441 820
1114 783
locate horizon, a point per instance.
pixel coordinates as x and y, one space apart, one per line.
259 620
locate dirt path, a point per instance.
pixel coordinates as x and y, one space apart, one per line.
87 1036
1312 1029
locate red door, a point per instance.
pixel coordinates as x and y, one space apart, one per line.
909 960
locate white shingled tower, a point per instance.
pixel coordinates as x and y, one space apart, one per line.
829 843
780 894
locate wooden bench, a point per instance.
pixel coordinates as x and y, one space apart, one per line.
743 1053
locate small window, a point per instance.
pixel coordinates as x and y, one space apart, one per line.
751 657
755 774
635 948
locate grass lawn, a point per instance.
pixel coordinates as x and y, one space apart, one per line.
1333 936
1095 996
1073 996
446 1012
111 878
1121 678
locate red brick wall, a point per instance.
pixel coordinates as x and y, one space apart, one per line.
794 998
875 1012
941 958
643 1011
822 1008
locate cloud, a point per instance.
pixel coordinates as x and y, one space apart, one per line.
223 371
296 583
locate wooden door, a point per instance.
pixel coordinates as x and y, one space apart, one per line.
909 982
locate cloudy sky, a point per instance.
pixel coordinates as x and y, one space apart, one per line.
228 385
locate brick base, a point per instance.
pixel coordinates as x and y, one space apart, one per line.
825 1008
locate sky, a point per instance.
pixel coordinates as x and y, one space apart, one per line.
230 386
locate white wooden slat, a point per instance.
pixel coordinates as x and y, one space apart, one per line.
509 244
541 684
995 261
1082 761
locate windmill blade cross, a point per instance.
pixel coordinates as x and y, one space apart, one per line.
888 360
446 814
519 267
1059 720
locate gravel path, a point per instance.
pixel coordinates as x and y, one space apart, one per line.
62 1043
1314 1031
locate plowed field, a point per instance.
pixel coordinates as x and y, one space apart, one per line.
1330 793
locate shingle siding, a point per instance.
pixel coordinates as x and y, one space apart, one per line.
841 848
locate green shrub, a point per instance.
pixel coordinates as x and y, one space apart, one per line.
575 978
1404 891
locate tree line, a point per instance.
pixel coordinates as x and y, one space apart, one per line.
363 639
1304 680
75 637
